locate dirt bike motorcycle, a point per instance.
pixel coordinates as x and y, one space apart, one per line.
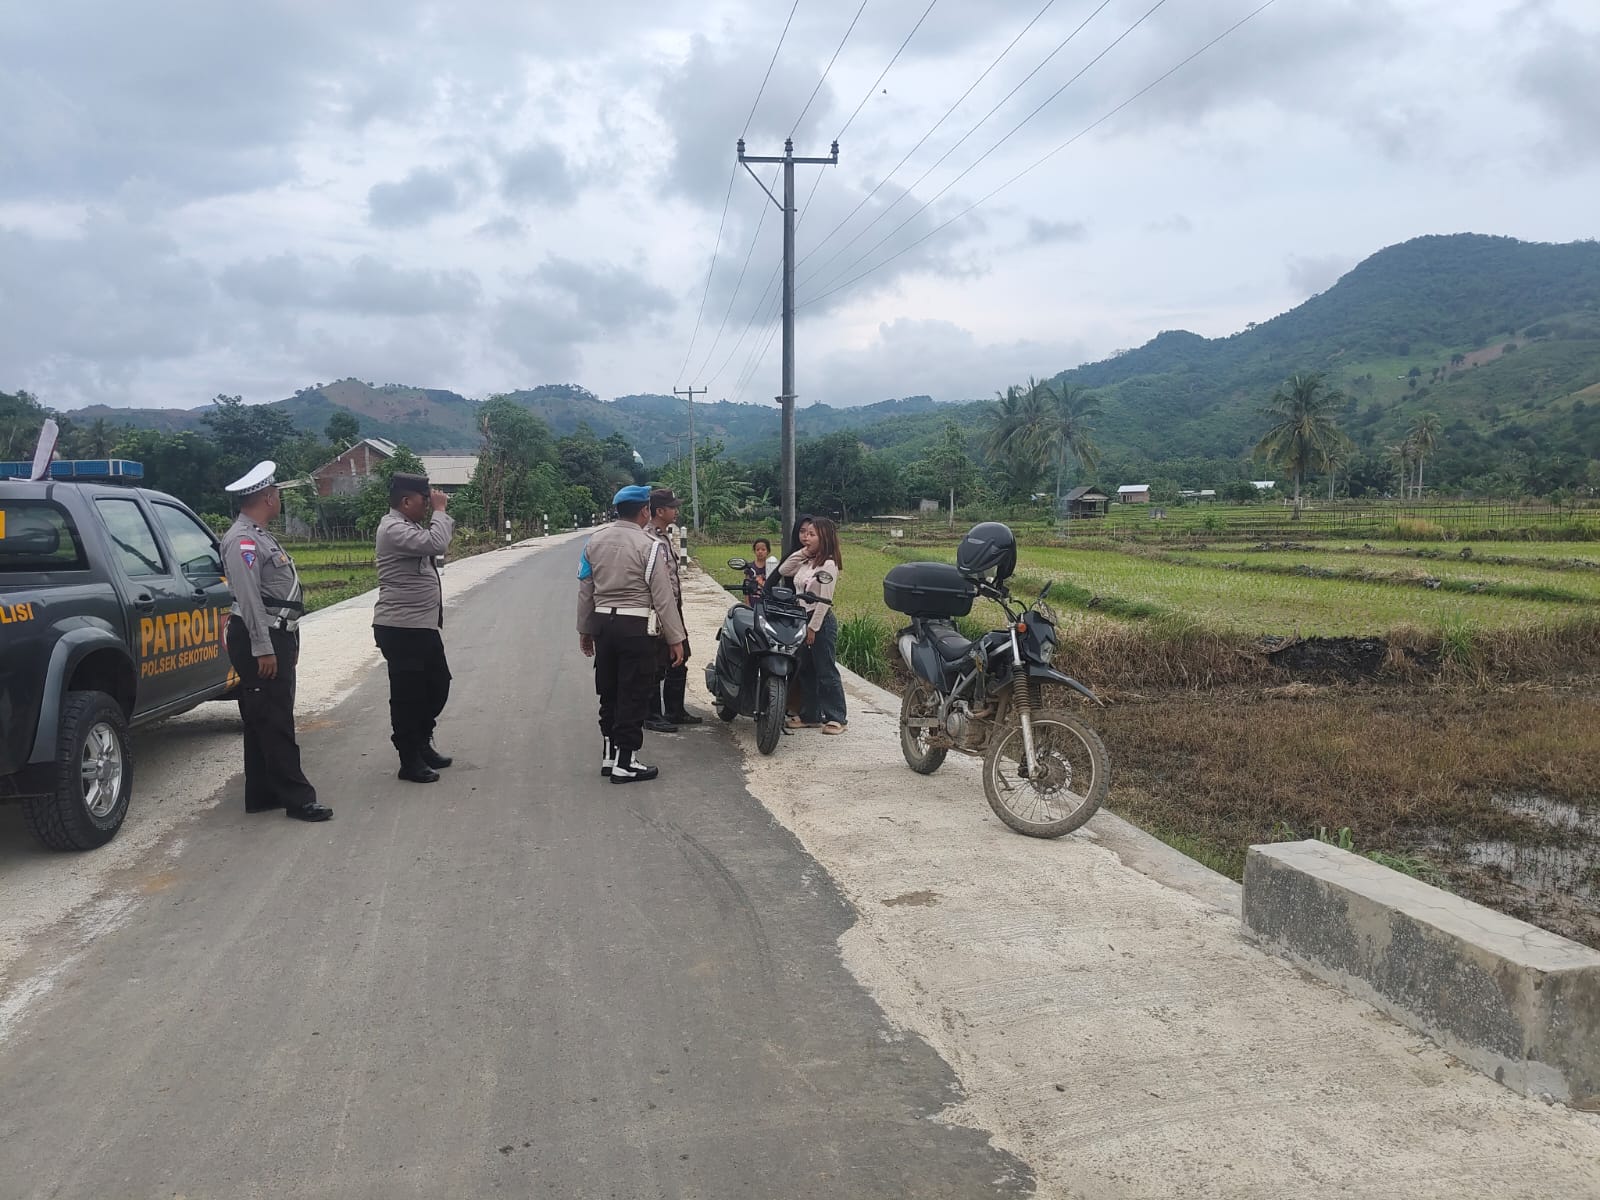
758 651
1045 772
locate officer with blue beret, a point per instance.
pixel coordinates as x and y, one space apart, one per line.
626 608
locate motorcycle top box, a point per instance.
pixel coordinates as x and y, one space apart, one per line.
927 589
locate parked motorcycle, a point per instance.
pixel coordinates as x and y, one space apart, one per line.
1045 772
758 650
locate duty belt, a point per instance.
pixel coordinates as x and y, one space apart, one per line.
625 612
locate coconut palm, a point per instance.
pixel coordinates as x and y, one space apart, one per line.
1424 437
1072 414
1303 431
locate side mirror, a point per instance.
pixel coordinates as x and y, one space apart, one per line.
823 577
737 564
1047 588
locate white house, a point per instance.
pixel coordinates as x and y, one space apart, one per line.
1263 485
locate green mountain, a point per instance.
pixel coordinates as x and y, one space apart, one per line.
1500 338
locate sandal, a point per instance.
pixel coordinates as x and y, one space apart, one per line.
833 727
795 722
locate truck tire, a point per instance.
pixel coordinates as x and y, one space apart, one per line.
91 780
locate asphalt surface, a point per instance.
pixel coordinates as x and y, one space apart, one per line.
522 980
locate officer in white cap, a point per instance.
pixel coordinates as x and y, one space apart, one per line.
264 647
625 608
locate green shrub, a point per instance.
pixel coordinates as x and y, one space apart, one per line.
864 646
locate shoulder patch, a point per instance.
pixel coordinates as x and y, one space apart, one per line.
247 551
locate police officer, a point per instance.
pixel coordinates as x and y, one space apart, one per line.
264 646
407 619
672 682
624 592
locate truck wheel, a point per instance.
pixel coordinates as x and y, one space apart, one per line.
91 779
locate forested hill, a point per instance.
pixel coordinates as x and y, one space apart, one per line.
1497 336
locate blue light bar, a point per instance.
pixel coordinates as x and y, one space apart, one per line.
81 470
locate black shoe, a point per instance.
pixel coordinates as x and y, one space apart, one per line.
685 718
417 772
434 759
310 812
659 725
633 772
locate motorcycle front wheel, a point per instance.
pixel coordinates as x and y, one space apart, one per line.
1070 782
773 712
920 702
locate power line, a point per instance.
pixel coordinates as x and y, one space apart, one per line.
754 239
761 304
763 88
721 221
710 270
1085 131
827 69
871 90
923 207
881 183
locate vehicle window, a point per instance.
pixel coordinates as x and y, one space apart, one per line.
132 536
36 535
191 542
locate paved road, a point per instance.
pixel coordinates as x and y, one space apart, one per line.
522 980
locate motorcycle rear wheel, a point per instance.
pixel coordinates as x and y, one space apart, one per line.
919 703
773 713
1075 776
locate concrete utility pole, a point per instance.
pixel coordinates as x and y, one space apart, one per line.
787 399
694 471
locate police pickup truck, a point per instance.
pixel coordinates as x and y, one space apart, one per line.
113 609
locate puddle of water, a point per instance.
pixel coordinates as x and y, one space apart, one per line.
1552 878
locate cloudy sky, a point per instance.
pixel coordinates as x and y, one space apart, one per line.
200 198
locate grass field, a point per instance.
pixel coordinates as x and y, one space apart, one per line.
1475 762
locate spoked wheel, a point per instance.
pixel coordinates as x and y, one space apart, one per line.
920 703
1072 776
773 712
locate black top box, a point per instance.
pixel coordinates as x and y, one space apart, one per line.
928 589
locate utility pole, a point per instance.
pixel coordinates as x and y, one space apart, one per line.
787 399
694 471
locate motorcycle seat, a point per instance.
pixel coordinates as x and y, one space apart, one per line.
951 645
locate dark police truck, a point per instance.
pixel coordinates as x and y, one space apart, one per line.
113 608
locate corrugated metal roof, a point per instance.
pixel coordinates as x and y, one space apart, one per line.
1133 487
449 470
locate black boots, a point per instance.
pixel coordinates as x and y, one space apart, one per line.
627 770
434 759
672 693
414 764
310 812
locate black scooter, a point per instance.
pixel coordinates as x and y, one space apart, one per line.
758 649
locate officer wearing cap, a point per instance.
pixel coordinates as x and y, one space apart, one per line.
624 595
667 710
408 617
264 647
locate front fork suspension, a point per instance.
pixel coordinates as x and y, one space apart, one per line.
1022 699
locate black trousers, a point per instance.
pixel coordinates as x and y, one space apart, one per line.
624 677
672 682
419 684
272 774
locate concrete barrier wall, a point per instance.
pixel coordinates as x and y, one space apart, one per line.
1517 1002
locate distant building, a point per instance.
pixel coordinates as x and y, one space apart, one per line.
1199 493
345 474
1263 485
928 507
1083 502
1134 493
450 472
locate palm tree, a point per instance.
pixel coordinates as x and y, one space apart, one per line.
1012 430
1401 453
1424 437
1072 413
1002 422
1334 458
1303 431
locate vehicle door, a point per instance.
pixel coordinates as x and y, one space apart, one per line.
198 555
164 619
